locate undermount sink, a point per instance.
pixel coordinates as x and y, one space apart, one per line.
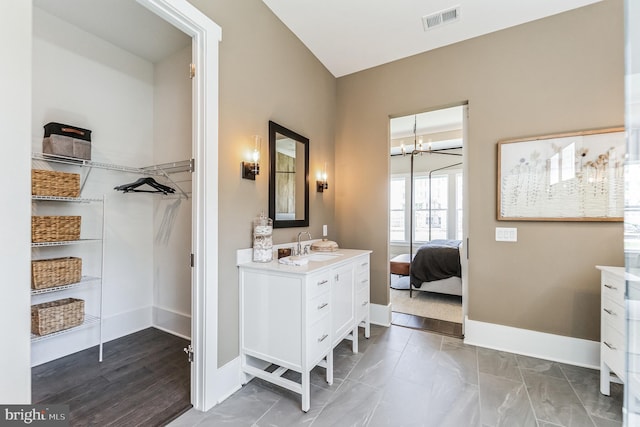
322 257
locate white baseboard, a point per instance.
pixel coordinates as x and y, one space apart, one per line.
113 327
121 324
380 314
171 321
572 351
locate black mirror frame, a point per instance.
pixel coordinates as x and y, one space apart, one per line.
273 129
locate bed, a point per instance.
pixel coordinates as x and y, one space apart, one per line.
436 268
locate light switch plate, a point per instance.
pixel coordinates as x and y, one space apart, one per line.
505 234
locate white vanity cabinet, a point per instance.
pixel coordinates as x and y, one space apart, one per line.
293 316
342 297
362 295
612 325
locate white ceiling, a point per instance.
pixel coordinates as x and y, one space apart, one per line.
346 35
123 23
352 35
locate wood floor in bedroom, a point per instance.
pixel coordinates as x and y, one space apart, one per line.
438 326
144 379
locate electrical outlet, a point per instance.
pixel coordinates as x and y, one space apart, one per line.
504 234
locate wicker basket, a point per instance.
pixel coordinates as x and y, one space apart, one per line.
54 316
55 228
53 183
47 273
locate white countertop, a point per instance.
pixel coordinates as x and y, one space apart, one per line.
619 271
343 255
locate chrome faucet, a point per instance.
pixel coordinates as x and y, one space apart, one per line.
299 236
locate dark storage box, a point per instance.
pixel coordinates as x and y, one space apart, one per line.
67 130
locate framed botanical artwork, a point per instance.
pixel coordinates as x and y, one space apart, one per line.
575 176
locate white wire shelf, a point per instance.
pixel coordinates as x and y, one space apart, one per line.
160 169
67 199
63 243
85 280
88 321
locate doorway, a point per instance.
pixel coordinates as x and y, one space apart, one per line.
427 220
147 284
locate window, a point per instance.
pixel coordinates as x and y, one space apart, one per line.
397 203
444 217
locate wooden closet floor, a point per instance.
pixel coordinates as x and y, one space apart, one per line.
144 379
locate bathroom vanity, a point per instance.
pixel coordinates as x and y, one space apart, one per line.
293 316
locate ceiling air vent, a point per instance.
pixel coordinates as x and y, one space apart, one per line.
443 17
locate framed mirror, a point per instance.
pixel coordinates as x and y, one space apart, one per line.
288 177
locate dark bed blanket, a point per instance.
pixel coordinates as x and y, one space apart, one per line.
437 260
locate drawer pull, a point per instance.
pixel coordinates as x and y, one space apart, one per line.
324 282
609 345
364 264
611 312
365 303
322 338
610 287
364 281
323 305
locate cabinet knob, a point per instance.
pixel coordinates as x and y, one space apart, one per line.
323 337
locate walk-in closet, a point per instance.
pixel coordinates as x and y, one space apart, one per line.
115 68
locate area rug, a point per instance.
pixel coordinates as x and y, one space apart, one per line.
424 304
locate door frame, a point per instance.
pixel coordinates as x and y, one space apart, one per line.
206 36
464 257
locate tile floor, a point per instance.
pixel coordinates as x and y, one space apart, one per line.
408 377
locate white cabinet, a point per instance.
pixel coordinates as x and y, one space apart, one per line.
362 296
612 325
293 316
342 296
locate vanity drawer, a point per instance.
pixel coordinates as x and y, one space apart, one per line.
318 284
318 307
319 340
362 265
613 287
613 314
362 303
612 350
362 281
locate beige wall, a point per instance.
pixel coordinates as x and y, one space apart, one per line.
266 73
558 74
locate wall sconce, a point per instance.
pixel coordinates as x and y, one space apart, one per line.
252 168
321 183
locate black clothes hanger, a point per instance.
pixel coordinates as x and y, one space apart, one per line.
133 187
